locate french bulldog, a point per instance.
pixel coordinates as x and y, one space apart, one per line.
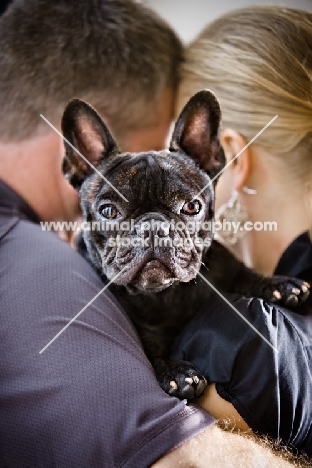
152 214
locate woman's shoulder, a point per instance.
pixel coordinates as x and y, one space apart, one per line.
297 259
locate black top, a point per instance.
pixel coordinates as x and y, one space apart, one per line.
90 400
4 5
271 390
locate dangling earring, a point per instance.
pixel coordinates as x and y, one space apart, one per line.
249 191
229 213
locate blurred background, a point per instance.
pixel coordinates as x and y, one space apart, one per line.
188 17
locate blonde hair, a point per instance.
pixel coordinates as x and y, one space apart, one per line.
258 61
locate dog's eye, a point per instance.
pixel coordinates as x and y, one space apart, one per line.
191 208
109 212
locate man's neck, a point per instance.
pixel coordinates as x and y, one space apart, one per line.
33 169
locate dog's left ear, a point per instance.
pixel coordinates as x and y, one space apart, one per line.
87 141
196 132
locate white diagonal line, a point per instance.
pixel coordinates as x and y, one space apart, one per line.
238 312
83 157
82 310
232 160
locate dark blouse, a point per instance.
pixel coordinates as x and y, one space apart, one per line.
270 388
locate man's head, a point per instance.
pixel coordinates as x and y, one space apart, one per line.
116 54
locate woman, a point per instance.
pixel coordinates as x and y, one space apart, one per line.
258 61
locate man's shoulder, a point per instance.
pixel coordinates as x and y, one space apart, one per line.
47 270
23 241
95 372
44 279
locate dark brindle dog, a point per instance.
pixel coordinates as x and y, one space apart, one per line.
153 245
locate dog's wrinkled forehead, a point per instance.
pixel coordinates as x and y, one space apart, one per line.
149 179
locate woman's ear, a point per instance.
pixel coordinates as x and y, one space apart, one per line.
239 157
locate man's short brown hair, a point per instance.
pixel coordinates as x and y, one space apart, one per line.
116 54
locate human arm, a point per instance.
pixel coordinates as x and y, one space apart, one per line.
260 368
221 409
91 397
220 449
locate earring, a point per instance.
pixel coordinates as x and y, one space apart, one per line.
249 191
227 215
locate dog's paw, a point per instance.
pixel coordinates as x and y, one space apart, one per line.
182 380
290 292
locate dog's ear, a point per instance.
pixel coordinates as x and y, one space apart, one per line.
197 130
87 141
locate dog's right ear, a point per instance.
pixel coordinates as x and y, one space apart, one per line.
87 141
197 132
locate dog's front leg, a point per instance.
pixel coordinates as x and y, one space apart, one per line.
231 275
289 292
177 378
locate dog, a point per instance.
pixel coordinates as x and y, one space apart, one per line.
155 211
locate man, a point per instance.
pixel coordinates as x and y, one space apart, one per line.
90 398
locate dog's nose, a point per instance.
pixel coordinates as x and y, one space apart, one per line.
153 228
143 230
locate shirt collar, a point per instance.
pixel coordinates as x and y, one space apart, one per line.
10 200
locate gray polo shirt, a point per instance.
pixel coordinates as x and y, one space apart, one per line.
91 398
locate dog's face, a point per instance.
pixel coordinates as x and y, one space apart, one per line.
149 221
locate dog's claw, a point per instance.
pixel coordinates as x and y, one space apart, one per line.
173 384
292 301
277 295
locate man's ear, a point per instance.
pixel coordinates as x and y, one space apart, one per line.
87 141
197 130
